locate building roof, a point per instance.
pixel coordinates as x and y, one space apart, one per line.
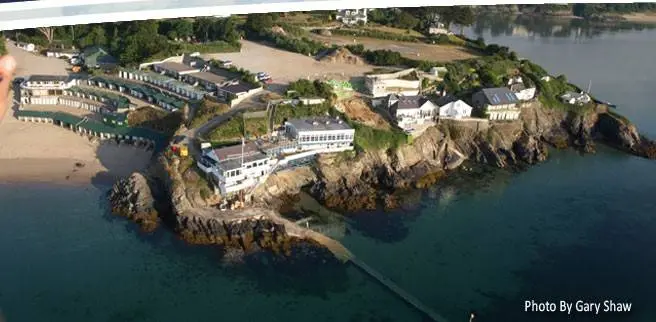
47 78
98 56
232 164
214 77
118 101
176 67
410 102
459 104
319 124
146 90
499 96
238 87
95 126
165 79
234 151
446 99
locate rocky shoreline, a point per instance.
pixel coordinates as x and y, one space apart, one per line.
369 179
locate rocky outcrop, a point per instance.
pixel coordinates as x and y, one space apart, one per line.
132 198
247 233
162 194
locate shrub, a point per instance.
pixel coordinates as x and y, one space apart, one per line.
306 88
384 57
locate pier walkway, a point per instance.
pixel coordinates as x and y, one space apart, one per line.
416 303
342 253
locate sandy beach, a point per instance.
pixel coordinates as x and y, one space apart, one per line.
33 152
649 17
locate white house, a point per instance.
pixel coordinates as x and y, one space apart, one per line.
401 83
26 46
412 110
236 167
438 28
237 91
575 98
456 110
498 103
321 134
352 16
523 93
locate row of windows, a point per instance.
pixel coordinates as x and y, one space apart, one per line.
232 173
326 137
253 165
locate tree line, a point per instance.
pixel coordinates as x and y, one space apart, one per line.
135 41
422 18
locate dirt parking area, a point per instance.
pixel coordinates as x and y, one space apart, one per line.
33 64
422 51
285 66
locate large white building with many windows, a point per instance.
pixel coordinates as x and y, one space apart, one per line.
44 89
321 134
236 168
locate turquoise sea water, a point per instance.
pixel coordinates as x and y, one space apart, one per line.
575 227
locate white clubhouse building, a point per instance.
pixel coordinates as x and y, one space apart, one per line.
321 134
236 167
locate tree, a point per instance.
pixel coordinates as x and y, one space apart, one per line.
259 22
406 21
48 32
463 17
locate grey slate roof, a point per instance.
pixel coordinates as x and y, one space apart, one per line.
499 96
238 87
176 67
232 164
410 102
234 151
446 99
322 124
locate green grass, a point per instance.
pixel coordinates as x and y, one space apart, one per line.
255 126
232 130
286 112
206 111
369 139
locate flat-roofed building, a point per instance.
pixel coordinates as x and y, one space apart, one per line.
323 134
211 81
166 82
174 69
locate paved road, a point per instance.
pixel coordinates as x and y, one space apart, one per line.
195 134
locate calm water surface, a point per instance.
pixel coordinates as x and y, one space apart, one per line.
576 227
